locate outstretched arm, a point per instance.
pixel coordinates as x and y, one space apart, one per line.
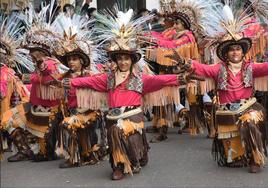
209 71
155 82
195 67
47 74
98 82
260 69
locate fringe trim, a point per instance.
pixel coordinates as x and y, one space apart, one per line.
87 98
60 151
49 92
259 157
258 47
207 85
130 127
119 156
187 51
151 54
162 97
261 83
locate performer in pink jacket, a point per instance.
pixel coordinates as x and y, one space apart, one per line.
126 88
241 136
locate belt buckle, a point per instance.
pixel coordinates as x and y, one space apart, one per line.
234 106
115 112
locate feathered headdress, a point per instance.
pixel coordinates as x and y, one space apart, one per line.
226 28
194 13
167 6
12 30
41 33
77 40
121 32
259 9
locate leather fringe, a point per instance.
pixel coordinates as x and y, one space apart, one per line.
87 98
187 51
162 97
48 92
118 153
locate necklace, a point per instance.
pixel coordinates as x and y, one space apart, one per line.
123 74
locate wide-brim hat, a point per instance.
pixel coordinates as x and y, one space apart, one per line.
133 53
223 47
182 17
43 40
38 47
82 55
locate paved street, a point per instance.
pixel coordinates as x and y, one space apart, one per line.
181 161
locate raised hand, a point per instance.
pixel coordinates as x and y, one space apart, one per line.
175 57
66 82
192 76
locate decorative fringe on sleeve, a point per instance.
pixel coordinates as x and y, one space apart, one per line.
48 92
22 90
207 85
162 97
258 47
87 98
261 83
150 54
187 51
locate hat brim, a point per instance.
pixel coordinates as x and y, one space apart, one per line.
223 47
39 49
134 54
83 56
184 18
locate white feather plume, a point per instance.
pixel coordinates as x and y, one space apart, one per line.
124 18
12 31
227 13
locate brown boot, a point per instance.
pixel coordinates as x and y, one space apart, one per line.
136 169
24 151
18 157
117 174
254 168
151 129
162 135
68 164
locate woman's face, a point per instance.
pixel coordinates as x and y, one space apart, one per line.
124 62
74 63
37 56
179 26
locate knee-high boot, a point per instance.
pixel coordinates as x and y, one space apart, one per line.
20 141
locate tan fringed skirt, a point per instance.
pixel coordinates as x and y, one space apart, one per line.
127 141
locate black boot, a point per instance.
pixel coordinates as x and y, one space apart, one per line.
24 151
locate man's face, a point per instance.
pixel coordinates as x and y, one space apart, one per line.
74 63
124 62
235 54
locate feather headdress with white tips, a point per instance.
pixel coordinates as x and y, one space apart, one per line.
260 9
167 6
227 26
41 31
12 31
77 39
195 13
226 20
121 30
